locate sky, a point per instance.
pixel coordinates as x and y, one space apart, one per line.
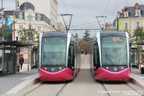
85 12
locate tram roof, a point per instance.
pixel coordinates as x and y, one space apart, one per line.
54 34
112 33
16 43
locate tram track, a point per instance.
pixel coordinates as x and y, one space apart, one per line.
61 89
32 90
105 90
139 92
129 89
39 89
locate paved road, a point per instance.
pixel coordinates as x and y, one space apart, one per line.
83 85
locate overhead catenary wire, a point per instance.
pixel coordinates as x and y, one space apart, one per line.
115 8
88 23
104 10
105 7
65 6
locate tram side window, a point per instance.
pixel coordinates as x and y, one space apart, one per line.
96 55
71 55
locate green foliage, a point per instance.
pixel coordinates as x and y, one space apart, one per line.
126 30
5 30
86 35
139 34
28 35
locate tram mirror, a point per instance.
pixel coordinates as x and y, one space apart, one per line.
129 44
95 42
71 42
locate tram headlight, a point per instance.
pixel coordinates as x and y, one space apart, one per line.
107 67
60 68
122 67
45 68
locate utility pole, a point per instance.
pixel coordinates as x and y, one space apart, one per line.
67 26
2 38
102 27
117 23
2 10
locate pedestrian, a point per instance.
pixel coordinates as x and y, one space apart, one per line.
85 52
21 61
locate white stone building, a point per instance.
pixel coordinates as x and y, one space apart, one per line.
47 7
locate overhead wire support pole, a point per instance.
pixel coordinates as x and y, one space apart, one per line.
98 22
67 26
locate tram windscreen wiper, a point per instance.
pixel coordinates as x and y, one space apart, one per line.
119 62
109 58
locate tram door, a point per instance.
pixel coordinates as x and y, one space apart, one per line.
34 58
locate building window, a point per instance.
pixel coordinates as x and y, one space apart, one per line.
137 24
126 25
39 28
126 14
20 16
137 13
29 18
39 17
20 26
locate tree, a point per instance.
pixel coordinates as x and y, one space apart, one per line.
85 45
80 43
139 34
126 30
5 30
28 35
86 35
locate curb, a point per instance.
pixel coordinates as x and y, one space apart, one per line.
136 82
28 82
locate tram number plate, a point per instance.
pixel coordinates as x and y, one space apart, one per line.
115 69
52 69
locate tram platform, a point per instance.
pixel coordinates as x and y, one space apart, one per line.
11 84
137 77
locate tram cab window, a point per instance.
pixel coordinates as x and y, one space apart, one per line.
71 56
96 56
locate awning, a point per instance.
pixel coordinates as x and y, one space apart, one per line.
140 43
16 43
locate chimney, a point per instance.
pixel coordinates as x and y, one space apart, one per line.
136 6
118 14
106 25
123 10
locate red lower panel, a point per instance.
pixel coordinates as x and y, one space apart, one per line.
105 75
62 75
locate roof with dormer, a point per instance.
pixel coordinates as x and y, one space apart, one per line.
131 12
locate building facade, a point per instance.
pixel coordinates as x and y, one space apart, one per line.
42 16
131 18
47 7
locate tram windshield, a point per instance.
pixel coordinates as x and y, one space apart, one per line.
114 50
53 51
